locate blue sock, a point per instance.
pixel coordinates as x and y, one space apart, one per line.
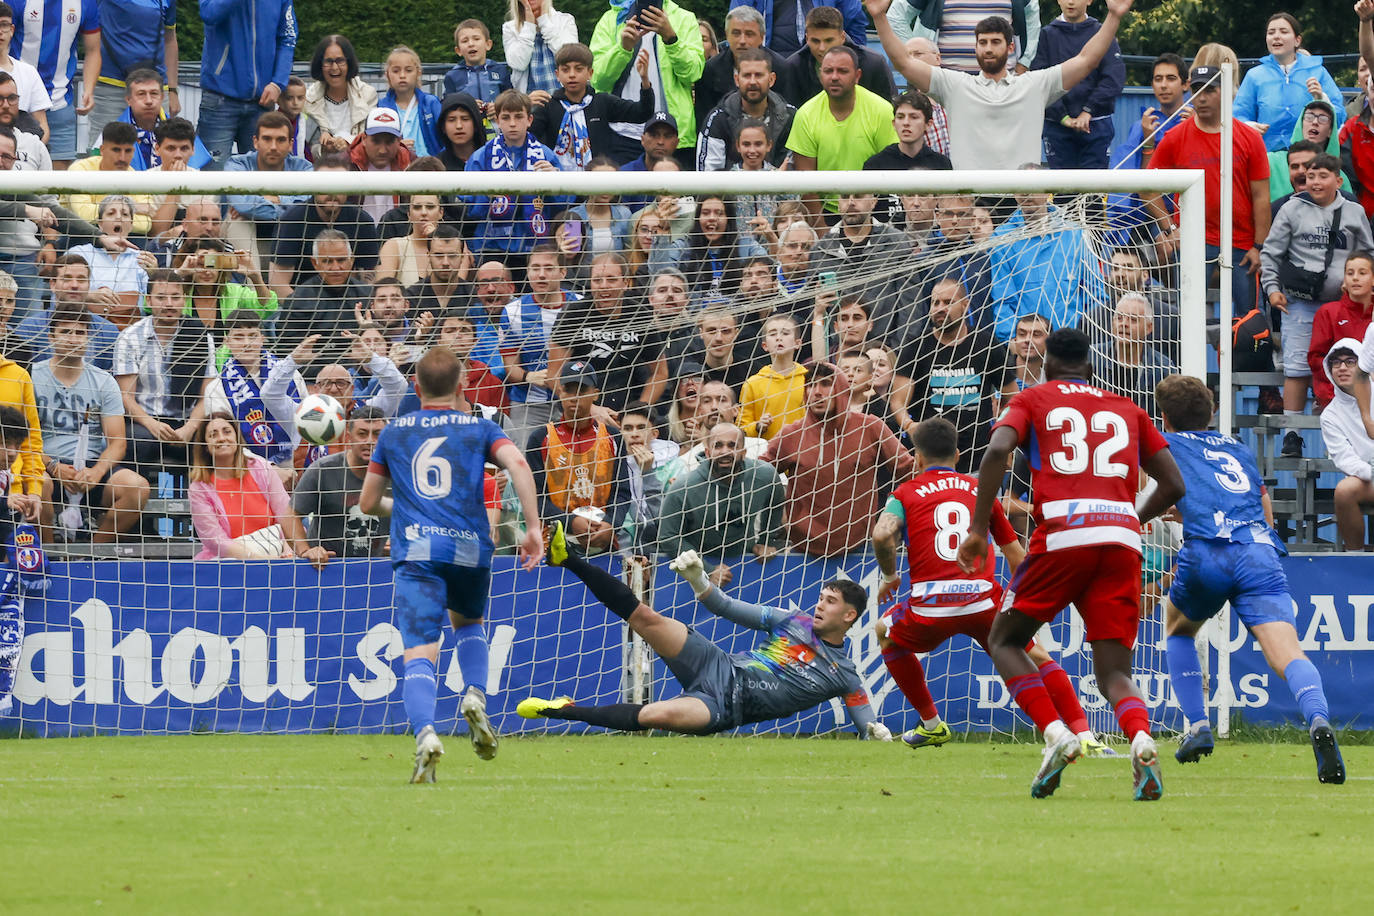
419 692
1185 674
473 655
1306 684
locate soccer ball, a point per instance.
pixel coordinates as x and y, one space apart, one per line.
320 419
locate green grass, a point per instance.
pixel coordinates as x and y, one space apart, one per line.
241 824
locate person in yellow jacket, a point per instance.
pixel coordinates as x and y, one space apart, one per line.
776 394
16 390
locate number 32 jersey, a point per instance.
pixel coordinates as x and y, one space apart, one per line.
435 460
937 506
1086 447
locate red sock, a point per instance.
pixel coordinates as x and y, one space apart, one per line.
1030 694
910 678
1133 716
1065 698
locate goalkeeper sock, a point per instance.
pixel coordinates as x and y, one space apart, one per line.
1306 684
619 716
1064 697
606 588
473 655
1185 676
1030 694
1134 718
421 688
910 679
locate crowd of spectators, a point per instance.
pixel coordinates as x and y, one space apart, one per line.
735 375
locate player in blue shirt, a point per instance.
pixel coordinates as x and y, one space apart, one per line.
441 543
1230 553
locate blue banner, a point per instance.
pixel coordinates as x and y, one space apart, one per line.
150 647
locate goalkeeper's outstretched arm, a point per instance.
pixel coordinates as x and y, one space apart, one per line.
689 566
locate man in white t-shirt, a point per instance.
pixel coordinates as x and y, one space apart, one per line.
996 117
33 95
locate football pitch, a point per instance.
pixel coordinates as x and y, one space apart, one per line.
621 824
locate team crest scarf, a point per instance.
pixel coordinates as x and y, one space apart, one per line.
502 207
263 434
573 147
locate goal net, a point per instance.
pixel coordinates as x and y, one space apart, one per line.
611 320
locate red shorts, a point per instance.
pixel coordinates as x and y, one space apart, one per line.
926 634
1102 581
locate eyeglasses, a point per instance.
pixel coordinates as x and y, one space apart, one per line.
335 383
1344 361
8 159
9 99
1316 117
335 61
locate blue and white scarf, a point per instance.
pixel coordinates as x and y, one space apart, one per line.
573 147
262 433
530 210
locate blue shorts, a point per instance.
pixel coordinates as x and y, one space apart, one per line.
426 591
62 133
1210 573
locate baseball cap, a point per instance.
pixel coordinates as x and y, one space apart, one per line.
1200 75
382 121
579 374
661 117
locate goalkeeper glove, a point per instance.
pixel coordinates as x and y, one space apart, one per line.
688 565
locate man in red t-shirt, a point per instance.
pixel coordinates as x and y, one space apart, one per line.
933 511
1087 448
1196 144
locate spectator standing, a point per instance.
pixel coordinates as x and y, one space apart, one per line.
1303 265
1273 94
417 109
1128 364
1078 128
728 506
952 370
576 120
1356 137
17 392
996 117
1349 316
144 110
34 99
532 35
1345 431
912 111
81 415
245 62
46 37
251 220
774 396
1313 128
474 74
526 329
799 77
753 102
1196 144
786 21
579 470
744 30
326 496
837 463
951 28
305 130
676 61
462 130
1169 83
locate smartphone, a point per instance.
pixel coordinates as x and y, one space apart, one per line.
686 207
642 5
221 260
828 279
574 233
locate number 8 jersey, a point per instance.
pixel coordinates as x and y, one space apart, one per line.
1086 447
435 460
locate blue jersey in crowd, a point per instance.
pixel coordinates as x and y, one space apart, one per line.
1223 502
435 461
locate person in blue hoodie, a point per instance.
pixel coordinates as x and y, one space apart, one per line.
1273 95
417 109
244 65
1078 127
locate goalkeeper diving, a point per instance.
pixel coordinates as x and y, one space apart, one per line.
801 664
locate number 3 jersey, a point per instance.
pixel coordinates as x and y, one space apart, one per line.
1085 447
1224 499
936 507
435 460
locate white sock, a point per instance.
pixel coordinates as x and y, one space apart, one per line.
1055 732
1087 735
1195 727
930 724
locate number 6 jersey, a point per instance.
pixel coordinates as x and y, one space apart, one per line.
435 461
1086 447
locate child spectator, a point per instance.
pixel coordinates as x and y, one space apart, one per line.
305 130
1348 316
774 396
338 100
1357 136
418 110
1078 127
576 121
533 35
910 118
1314 128
526 326
1345 431
757 211
510 227
480 78
237 392
462 131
